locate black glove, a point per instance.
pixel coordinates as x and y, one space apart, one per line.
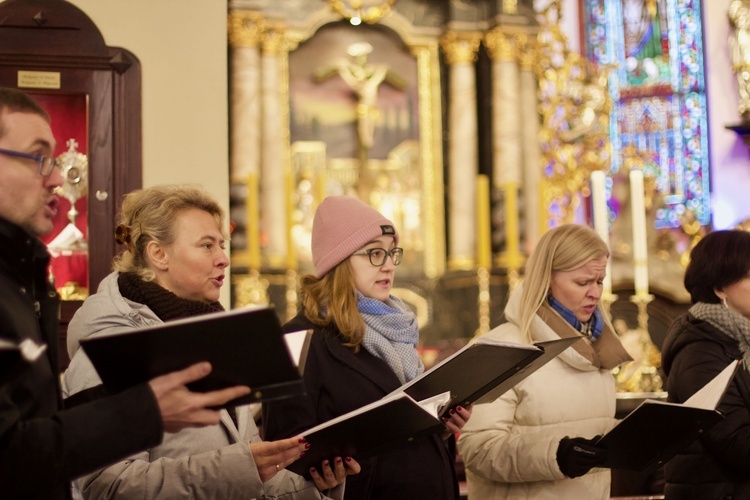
577 456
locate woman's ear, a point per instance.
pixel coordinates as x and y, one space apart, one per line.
156 256
720 293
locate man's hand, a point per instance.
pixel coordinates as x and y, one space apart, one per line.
181 408
272 456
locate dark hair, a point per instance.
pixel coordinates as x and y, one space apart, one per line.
12 100
720 259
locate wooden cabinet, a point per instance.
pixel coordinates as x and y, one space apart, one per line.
53 51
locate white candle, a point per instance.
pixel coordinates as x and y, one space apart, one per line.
640 249
601 221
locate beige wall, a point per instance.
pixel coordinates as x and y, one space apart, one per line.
182 46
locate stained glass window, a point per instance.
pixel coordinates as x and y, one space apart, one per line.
658 88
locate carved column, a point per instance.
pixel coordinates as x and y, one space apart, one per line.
532 169
273 195
461 53
244 29
502 48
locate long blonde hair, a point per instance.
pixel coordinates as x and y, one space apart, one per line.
563 248
149 215
332 300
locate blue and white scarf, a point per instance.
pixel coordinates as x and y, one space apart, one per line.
391 334
592 328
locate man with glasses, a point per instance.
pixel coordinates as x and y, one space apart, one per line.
43 445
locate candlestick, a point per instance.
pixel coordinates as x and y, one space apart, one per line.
291 293
483 284
512 236
291 249
484 242
640 248
601 220
253 221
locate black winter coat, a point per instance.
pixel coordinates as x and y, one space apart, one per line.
337 381
42 446
716 466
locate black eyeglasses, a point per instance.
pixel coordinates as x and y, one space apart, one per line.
46 163
378 256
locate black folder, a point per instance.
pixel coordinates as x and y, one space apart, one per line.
653 433
373 429
484 369
656 431
244 347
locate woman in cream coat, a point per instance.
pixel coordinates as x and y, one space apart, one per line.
536 441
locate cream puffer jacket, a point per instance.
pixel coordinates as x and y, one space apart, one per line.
509 446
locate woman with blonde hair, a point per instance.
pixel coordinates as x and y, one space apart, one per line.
537 440
173 267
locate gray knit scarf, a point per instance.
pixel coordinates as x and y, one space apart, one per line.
728 322
391 334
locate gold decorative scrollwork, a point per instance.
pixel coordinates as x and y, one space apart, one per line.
273 40
510 6
505 46
245 29
460 47
575 105
357 11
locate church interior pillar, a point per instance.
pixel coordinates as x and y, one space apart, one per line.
532 169
506 133
273 194
461 53
244 29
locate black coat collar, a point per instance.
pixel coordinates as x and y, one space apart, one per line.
362 361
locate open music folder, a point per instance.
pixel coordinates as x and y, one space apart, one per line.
244 346
656 431
481 371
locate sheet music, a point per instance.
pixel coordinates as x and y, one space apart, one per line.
708 398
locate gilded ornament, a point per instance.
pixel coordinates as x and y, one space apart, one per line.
574 104
245 29
461 47
273 40
359 11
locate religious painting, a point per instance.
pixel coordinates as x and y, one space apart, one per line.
356 129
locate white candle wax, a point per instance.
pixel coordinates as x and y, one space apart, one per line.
601 220
640 249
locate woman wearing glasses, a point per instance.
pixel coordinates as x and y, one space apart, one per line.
363 348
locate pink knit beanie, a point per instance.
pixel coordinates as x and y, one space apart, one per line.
343 225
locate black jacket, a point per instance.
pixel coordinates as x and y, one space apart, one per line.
338 380
716 466
42 446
